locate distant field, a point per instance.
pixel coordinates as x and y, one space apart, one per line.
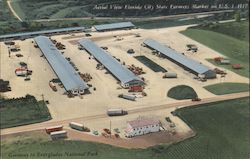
233 45
55 9
5 14
22 111
227 88
46 9
236 30
222 133
182 92
150 64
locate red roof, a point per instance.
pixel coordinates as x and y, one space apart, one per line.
143 122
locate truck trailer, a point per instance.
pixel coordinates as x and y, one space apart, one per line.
128 97
58 135
170 75
53 129
116 112
76 126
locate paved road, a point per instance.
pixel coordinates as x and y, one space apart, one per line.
186 103
13 11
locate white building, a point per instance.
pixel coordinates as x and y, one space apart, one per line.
142 126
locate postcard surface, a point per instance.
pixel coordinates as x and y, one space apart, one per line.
130 79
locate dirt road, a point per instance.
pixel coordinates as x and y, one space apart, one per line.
186 103
13 11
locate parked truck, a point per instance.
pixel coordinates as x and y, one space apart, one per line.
53 129
116 112
52 86
128 97
195 99
15 48
77 126
58 135
23 71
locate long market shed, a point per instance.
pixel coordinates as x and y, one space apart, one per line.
187 63
70 79
123 74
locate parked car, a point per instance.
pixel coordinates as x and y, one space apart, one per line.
196 99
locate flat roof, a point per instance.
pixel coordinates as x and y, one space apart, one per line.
138 123
120 72
174 55
66 73
41 32
114 26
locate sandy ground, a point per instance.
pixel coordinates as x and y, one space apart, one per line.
107 89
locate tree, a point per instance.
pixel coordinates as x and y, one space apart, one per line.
25 24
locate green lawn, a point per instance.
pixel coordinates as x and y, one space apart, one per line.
22 111
237 30
150 64
182 92
227 88
235 49
5 14
15 5
222 133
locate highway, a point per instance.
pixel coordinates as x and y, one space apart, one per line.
181 104
133 18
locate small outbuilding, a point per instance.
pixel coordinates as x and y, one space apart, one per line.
170 75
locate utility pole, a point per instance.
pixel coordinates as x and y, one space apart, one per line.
0 59
43 97
110 128
140 50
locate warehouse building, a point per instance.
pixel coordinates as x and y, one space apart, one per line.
37 33
183 61
123 74
70 79
141 127
114 26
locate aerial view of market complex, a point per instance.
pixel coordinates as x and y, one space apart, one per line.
79 82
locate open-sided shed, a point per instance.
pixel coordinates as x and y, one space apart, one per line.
123 74
37 33
114 26
70 79
182 60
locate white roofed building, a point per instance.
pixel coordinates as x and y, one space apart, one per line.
142 126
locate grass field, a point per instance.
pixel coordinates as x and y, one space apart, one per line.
236 30
22 111
5 14
222 133
64 8
234 46
182 92
53 9
6 18
150 64
227 88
